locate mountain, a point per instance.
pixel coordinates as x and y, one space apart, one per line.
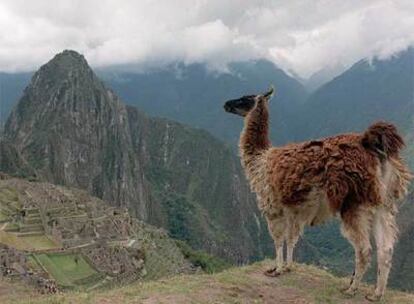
307 284
319 78
368 91
70 129
194 95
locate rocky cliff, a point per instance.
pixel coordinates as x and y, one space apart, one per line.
72 130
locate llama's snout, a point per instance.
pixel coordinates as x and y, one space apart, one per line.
227 107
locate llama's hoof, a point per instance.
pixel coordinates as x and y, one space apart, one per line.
348 292
289 268
273 272
373 297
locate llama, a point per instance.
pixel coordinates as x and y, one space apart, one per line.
357 177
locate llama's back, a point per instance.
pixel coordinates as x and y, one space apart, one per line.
347 168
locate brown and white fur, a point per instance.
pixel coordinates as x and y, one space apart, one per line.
357 177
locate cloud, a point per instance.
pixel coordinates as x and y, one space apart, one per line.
302 36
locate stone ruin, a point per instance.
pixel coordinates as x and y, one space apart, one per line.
117 261
14 263
117 246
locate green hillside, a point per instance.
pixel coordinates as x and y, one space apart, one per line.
67 269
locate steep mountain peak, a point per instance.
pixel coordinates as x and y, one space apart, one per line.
65 66
60 88
66 61
68 57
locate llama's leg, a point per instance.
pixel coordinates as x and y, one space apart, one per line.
292 238
356 228
276 228
385 232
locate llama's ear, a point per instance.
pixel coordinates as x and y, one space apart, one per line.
268 95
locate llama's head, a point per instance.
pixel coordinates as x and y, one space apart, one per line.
245 104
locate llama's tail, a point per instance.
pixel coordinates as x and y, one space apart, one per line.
383 139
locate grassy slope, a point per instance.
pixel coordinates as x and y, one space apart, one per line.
64 268
37 242
238 285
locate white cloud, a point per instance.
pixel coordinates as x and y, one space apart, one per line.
298 35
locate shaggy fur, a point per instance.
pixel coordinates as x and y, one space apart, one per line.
357 177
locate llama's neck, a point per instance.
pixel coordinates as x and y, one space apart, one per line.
254 139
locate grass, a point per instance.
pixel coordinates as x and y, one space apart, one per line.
39 242
306 284
66 269
207 262
9 198
32 242
33 264
3 217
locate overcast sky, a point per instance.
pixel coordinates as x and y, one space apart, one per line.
300 36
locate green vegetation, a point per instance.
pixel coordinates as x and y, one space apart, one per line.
180 213
9 199
67 269
3 217
162 255
194 178
33 264
207 262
